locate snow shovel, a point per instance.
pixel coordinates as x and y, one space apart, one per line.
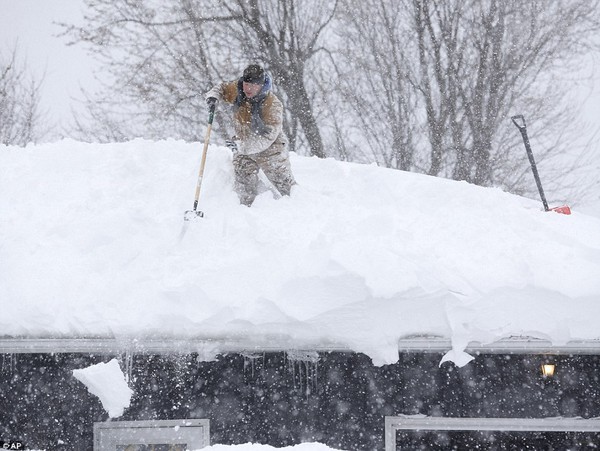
519 121
195 213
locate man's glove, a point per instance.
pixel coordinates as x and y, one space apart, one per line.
232 145
211 102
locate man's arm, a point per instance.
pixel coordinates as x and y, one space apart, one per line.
226 92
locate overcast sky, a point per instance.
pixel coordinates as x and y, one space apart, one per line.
30 25
66 69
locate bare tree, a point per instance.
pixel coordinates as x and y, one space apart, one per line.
21 121
420 85
520 49
372 66
285 34
431 77
161 57
156 63
479 61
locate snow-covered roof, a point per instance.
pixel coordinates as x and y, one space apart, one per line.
93 246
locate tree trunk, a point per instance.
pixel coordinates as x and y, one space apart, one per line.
301 108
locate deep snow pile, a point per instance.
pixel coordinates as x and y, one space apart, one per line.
358 256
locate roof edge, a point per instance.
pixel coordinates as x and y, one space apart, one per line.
115 346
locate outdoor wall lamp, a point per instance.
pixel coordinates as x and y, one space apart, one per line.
548 369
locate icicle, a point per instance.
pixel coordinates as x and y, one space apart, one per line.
293 366
250 359
308 360
9 362
127 363
316 379
299 374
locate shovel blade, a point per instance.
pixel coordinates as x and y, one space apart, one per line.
192 215
565 210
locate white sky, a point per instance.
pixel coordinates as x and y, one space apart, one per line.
30 25
68 68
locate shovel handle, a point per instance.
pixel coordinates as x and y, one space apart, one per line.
516 119
523 129
211 116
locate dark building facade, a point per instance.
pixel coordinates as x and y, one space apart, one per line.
336 398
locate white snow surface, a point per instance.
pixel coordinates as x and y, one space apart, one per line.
107 382
359 256
255 447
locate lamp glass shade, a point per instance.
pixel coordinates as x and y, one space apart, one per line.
548 369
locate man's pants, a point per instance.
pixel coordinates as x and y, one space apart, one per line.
274 162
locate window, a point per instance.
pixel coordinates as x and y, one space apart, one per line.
408 432
167 435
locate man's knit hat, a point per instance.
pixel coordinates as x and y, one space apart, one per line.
254 74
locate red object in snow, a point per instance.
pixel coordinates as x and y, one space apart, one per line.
565 210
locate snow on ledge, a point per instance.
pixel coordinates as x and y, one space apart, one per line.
358 257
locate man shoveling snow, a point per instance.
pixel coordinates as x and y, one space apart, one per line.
260 143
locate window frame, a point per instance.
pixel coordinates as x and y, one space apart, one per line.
425 423
195 433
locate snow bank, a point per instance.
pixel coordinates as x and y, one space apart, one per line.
91 245
107 382
254 447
